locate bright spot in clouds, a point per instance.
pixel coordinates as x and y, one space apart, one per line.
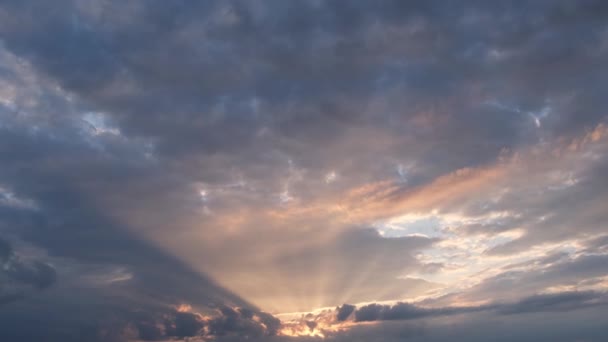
331 177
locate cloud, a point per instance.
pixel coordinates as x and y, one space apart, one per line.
554 302
549 302
405 311
19 276
115 117
135 74
417 321
344 311
478 326
518 282
243 323
124 311
6 250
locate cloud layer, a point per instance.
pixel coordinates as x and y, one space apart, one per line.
177 170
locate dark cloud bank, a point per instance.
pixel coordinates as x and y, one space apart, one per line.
500 321
564 301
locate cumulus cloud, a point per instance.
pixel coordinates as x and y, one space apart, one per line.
344 311
225 322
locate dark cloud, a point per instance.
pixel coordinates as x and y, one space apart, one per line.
478 326
243 323
19 276
414 322
344 311
556 302
291 55
6 250
405 311
117 317
38 274
225 322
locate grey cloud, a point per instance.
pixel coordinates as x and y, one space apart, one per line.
411 322
58 164
598 245
371 312
344 311
67 224
225 322
168 74
556 302
53 166
546 326
243 323
406 311
210 92
515 282
6 250
185 324
562 204
38 274
288 54
111 314
19 277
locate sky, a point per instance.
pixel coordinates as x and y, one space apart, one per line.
298 171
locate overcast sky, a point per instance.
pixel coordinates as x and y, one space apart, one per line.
307 170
